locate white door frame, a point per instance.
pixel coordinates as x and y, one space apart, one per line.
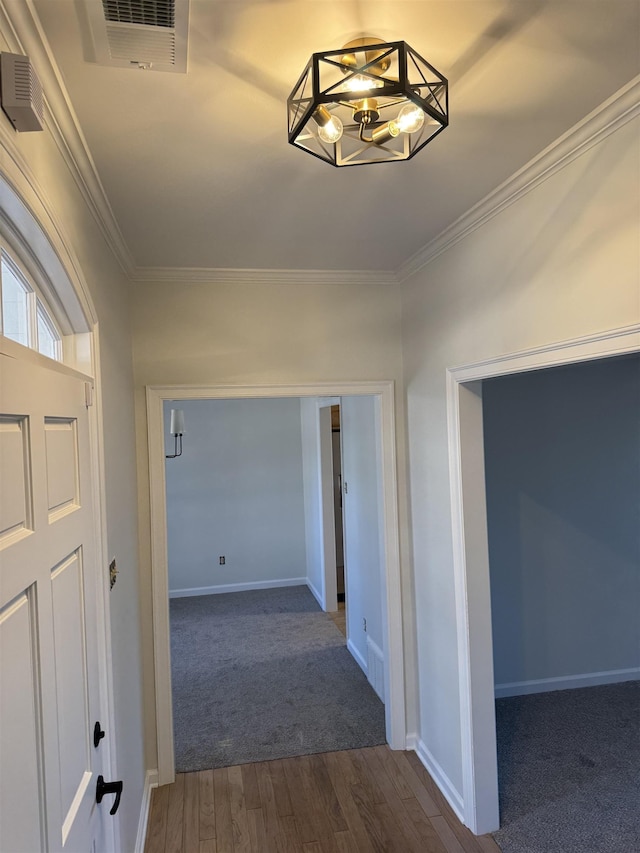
471 554
392 605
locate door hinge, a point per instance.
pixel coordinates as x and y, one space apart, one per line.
346 488
88 394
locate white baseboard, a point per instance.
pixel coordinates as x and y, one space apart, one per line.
315 593
236 587
375 667
150 782
566 682
411 741
441 779
358 657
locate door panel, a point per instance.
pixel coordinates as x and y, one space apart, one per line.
62 466
48 577
20 764
15 494
71 683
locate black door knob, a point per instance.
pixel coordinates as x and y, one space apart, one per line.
98 733
103 788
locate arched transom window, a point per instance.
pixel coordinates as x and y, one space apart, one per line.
24 317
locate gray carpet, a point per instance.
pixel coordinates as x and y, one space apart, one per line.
569 771
264 674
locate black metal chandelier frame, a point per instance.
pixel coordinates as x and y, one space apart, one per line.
362 85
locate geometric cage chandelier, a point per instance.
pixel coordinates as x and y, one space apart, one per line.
368 102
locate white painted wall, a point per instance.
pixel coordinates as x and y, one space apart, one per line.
236 492
559 262
36 162
562 463
362 523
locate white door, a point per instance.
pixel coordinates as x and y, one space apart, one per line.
49 698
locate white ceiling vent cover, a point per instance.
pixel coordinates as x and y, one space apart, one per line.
148 34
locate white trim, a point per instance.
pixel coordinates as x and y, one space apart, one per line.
96 419
411 742
470 551
357 657
327 513
150 782
433 768
236 587
314 592
625 339
393 643
206 275
33 226
620 108
566 682
375 667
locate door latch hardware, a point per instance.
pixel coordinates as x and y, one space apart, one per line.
103 788
98 734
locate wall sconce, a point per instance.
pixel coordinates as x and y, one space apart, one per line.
177 429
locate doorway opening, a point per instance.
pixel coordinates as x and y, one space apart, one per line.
562 464
471 554
381 395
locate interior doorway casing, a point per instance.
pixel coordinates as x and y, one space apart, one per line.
471 553
325 456
391 592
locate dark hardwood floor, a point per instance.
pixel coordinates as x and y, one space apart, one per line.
358 801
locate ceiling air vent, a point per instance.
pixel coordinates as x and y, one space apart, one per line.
147 34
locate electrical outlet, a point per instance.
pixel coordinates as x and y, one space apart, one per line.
364 625
222 561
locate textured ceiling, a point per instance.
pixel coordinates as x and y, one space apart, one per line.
197 167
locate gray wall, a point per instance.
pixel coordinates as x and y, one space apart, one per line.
562 450
236 491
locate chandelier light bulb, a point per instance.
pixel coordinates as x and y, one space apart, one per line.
331 131
409 119
361 83
329 126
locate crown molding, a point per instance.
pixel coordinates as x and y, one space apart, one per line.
620 108
203 275
23 32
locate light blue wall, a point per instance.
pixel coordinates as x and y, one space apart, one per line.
562 452
236 491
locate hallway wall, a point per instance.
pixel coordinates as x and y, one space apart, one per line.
558 262
270 334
